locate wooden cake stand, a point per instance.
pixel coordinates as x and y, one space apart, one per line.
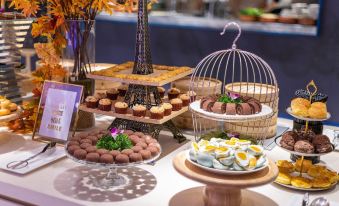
223 189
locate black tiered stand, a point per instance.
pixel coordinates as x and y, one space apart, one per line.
142 94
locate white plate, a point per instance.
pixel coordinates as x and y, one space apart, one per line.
266 112
277 142
11 116
307 189
226 172
289 111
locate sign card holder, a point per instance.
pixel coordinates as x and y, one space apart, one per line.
57 111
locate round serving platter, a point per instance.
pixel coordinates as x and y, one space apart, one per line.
289 111
277 142
11 116
226 172
131 164
266 112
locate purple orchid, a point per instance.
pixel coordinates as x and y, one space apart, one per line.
233 134
115 132
233 96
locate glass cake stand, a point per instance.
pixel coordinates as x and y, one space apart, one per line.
112 178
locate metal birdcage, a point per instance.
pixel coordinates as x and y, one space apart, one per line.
240 72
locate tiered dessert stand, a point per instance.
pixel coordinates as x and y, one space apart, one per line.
239 67
142 92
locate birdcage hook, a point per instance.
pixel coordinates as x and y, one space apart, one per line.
234 46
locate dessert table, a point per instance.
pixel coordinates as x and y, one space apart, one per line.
65 182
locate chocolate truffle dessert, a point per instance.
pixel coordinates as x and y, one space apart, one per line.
321 139
91 149
122 158
102 151
72 148
80 154
135 157
303 146
323 148
153 150
112 94
146 154
114 153
93 157
70 143
137 148
85 145
106 158
127 151
142 144
288 140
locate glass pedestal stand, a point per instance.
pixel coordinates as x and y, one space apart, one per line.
112 179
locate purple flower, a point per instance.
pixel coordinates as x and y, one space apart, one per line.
114 131
233 96
233 134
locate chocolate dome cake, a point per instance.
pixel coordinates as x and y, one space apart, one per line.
230 104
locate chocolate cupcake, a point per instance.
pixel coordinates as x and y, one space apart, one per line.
139 110
112 94
161 91
303 146
157 112
100 95
135 157
192 95
105 105
176 104
185 100
106 158
93 157
120 107
91 102
173 93
122 90
80 154
168 108
122 158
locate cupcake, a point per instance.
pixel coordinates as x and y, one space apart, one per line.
168 108
120 107
112 94
192 95
173 93
161 91
139 110
185 99
91 102
100 95
122 90
105 104
157 112
176 104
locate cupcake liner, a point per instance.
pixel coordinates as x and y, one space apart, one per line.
120 110
185 102
92 104
139 113
162 94
112 96
122 92
105 107
167 112
172 96
157 115
176 107
192 98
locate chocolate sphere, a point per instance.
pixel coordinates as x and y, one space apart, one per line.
153 150
127 151
142 144
93 157
106 158
145 154
102 151
91 149
122 158
137 148
86 141
85 145
72 148
80 154
114 153
135 157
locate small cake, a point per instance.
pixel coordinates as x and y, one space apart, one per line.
168 108
157 112
122 158
185 99
93 157
173 93
135 157
122 90
100 95
105 104
112 94
288 140
219 108
231 109
176 104
120 107
161 91
139 110
91 102
192 95
106 158
303 146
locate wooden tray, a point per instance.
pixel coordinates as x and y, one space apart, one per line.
130 116
140 82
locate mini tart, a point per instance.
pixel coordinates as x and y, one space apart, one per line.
122 90
173 93
177 104
157 112
185 99
161 91
192 95
105 104
139 110
168 108
120 107
112 94
91 102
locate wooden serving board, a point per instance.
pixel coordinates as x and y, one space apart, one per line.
141 82
129 115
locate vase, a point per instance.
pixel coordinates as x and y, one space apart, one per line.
77 58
